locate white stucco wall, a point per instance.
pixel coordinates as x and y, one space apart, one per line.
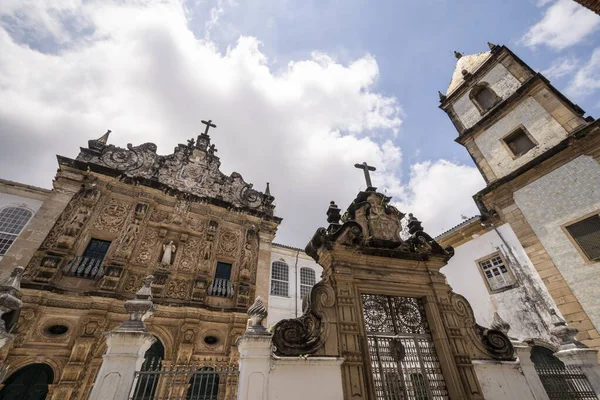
537 121
525 306
500 80
316 378
11 196
291 306
564 195
503 380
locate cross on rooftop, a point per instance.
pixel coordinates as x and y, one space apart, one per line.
366 168
209 125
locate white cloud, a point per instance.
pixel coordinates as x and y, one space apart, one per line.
587 79
438 193
564 24
141 72
561 67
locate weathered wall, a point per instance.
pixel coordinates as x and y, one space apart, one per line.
500 80
536 120
502 380
525 306
565 194
291 306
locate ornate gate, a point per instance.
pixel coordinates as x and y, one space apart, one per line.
404 363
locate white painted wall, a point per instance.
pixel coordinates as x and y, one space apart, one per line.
503 380
18 196
500 80
536 120
525 306
289 307
315 378
562 196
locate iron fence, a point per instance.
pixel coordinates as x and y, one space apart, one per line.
565 382
207 379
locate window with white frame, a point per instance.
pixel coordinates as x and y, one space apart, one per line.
496 272
280 277
307 280
12 222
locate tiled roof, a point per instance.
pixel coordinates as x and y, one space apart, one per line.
457 227
469 63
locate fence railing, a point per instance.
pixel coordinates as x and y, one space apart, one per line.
207 379
85 267
565 382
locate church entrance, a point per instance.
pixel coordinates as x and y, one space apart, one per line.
28 383
404 364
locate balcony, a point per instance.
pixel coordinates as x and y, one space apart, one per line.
85 267
221 288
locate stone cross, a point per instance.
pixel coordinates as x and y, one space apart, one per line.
209 125
366 168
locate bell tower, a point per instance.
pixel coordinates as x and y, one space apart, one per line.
505 113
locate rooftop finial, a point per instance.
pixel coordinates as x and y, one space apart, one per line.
104 138
366 168
257 313
442 96
457 54
209 125
491 45
267 190
139 308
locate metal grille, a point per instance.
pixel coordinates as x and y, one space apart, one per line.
307 280
12 222
202 380
587 235
564 382
279 279
404 362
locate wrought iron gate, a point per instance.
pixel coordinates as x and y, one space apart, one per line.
206 379
404 363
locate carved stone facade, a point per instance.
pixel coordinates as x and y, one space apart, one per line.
374 243
175 217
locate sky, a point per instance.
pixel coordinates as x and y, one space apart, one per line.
300 90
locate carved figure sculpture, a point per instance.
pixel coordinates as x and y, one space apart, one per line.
168 250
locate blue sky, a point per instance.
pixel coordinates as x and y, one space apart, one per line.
300 90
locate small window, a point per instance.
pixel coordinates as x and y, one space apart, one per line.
519 142
307 280
496 272
12 222
223 271
586 234
279 279
96 249
483 97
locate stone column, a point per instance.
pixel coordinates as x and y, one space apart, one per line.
126 347
9 307
255 354
573 352
533 380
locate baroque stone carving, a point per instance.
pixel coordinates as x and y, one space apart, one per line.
228 242
169 250
148 247
177 289
190 169
306 334
189 255
113 216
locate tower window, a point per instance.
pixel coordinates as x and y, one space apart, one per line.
223 271
483 97
496 273
519 142
12 222
586 235
307 280
280 279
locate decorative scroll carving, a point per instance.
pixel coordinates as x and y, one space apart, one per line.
373 226
177 289
189 255
148 247
113 216
491 343
228 242
249 256
308 333
190 169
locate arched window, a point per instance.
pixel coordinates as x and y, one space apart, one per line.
146 383
280 276
12 222
30 382
307 280
483 97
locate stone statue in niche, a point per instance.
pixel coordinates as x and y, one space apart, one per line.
168 250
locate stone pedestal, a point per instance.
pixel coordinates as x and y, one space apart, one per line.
528 370
124 356
586 360
255 355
